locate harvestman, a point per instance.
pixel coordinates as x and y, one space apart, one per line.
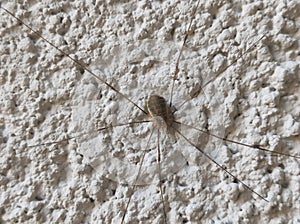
160 113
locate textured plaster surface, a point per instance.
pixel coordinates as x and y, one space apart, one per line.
133 45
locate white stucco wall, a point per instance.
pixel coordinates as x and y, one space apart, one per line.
133 45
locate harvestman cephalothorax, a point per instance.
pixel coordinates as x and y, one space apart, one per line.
160 112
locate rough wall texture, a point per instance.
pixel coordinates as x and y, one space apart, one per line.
133 45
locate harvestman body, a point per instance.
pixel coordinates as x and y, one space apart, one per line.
162 116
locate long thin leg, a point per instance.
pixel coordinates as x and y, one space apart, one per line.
137 177
224 69
86 133
160 176
180 53
201 88
220 166
239 143
74 60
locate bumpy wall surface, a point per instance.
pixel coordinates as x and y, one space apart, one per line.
45 98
